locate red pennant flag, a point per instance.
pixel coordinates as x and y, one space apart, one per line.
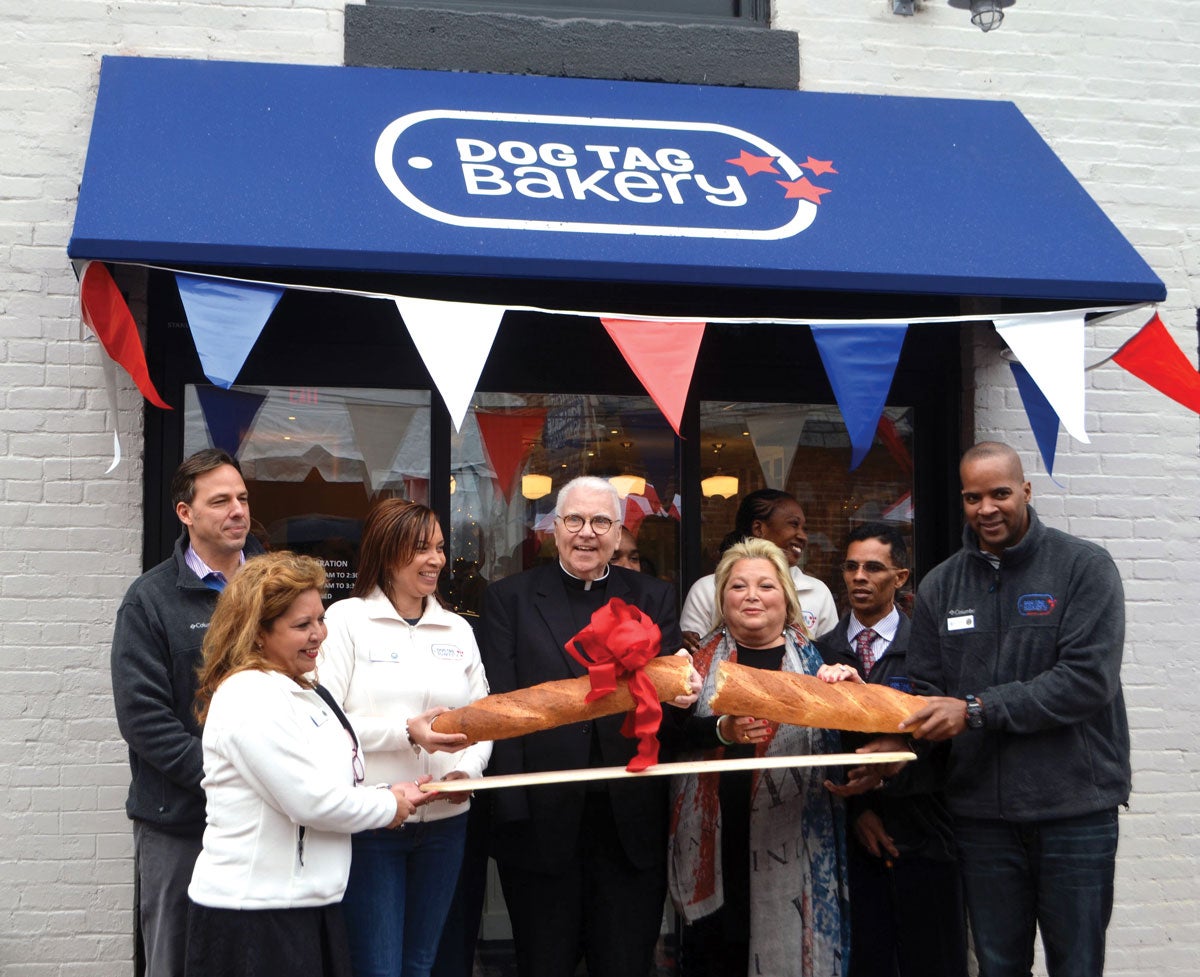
106 314
1152 355
508 437
663 356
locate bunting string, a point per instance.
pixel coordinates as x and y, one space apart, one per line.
454 339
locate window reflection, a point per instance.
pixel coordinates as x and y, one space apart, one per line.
803 450
314 459
514 453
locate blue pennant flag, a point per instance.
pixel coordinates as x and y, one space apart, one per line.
1042 417
860 360
226 319
229 415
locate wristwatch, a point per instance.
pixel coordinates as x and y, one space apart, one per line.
974 713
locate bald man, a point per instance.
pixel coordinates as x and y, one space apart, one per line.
1017 641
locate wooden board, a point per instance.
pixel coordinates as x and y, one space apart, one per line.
666 770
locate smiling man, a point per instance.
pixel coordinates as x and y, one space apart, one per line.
582 866
906 908
160 628
1017 639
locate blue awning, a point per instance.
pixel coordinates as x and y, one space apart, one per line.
206 163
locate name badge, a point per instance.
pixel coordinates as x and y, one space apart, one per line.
321 718
449 653
962 623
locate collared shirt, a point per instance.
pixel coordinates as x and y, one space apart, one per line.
584 584
212 579
885 631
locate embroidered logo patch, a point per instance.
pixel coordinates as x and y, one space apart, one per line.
1036 605
446 652
810 621
900 683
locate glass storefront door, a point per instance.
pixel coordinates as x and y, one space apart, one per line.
516 451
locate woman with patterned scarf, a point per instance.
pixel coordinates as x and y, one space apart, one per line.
758 868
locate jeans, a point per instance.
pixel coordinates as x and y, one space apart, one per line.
163 864
1056 876
400 889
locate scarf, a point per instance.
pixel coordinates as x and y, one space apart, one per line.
799 917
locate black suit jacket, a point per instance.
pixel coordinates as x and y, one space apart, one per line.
911 806
526 622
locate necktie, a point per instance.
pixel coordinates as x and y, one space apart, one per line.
862 647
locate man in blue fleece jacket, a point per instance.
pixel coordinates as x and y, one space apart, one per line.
1017 640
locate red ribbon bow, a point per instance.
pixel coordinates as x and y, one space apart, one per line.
616 644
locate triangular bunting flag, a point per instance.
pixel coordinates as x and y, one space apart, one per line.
776 438
508 437
895 444
229 415
637 507
379 431
663 356
1153 356
1050 347
104 311
225 318
454 339
1042 418
860 360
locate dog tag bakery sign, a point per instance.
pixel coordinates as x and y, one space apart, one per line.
597 175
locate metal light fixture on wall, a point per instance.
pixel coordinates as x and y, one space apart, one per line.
719 485
902 8
987 15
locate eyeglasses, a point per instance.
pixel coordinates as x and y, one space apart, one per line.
600 524
870 566
356 764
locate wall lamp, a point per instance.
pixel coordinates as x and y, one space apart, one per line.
987 15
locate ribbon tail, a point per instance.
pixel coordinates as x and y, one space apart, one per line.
643 722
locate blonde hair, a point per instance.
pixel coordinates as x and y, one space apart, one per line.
755 548
261 592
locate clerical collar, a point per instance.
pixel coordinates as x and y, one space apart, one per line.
581 584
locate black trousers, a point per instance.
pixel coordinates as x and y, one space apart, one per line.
600 908
907 919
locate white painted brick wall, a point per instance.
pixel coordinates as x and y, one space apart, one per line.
1113 89
72 534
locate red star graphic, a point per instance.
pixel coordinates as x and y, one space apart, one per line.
802 190
819 167
754 164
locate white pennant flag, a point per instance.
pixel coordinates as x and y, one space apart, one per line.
454 339
1050 346
776 438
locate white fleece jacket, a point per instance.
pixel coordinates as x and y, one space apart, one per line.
281 799
384 671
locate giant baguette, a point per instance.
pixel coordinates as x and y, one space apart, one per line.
507 714
804 700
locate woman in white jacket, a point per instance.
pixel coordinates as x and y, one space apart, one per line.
281 775
395 658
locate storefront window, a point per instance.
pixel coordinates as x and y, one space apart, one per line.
804 450
514 453
314 459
